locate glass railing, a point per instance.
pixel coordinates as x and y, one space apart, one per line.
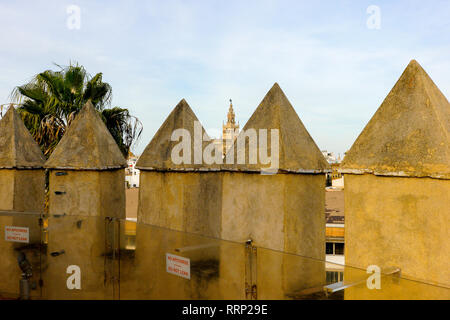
81 260
84 257
158 263
21 255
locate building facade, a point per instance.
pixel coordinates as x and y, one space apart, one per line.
131 173
230 131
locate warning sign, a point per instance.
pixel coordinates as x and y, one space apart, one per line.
17 234
179 266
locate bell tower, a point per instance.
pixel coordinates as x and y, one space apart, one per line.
230 130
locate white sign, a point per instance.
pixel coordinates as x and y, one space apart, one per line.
17 234
179 266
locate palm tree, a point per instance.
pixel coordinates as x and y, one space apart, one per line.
50 101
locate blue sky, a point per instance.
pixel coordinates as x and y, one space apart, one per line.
333 68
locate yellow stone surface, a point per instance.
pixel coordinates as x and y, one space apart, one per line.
398 222
392 287
397 191
22 182
282 212
409 133
87 193
17 147
216 267
297 150
20 191
79 203
158 153
81 197
188 202
87 145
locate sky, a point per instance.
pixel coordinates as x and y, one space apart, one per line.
335 60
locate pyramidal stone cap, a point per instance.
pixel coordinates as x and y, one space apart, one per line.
157 156
18 149
409 133
87 145
298 153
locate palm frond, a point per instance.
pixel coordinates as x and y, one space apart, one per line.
50 101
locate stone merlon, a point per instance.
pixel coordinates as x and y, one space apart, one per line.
409 133
87 145
18 149
297 150
157 154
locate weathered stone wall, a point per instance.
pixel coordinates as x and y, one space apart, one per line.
77 225
184 201
87 193
87 185
398 221
20 191
397 187
189 202
283 212
7 189
280 213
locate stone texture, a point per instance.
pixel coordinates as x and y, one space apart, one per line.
87 185
397 191
10 272
17 147
398 222
284 212
87 193
87 145
80 201
187 201
297 150
22 182
409 133
157 154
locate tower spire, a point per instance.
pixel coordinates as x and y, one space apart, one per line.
231 116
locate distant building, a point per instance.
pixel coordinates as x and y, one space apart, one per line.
334 178
230 131
330 157
335 241
131 173
337 178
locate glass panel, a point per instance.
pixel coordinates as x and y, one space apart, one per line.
81 260
288 276
329 248
20 248
82 257
339 248
391 286
204 268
